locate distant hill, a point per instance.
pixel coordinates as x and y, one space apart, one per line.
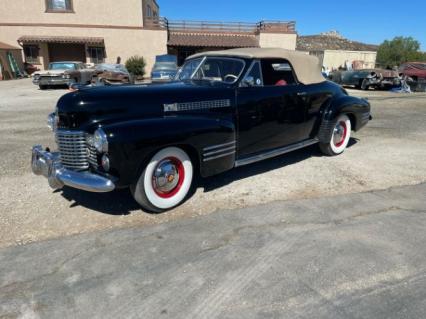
331 41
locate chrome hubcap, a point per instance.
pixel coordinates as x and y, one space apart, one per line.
339 134
166 176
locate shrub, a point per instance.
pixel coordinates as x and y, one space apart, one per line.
136 65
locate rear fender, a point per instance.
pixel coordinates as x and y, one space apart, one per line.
357 109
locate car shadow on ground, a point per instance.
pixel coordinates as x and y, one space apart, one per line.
121 202
218 181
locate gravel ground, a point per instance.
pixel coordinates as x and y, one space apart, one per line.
390 151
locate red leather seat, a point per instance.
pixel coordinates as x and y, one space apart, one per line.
281 83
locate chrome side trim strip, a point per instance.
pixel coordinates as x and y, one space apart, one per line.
275 152
218 156
197 105
232 148
213 147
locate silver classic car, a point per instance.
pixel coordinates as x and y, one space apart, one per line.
63 74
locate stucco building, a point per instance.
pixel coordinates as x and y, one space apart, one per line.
335 51
98 31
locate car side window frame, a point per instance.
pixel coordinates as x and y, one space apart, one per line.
296 80
249 70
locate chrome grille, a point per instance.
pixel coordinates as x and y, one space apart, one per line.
75 149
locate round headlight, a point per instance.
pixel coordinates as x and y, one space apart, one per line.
51 121
100 141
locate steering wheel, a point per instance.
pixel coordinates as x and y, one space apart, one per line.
233 77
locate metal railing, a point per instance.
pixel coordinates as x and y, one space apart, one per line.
212 26
156 23
219 26
277 26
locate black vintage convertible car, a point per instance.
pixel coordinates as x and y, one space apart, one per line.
226 109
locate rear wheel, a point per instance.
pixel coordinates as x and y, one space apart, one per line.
42 87
340 137
165 182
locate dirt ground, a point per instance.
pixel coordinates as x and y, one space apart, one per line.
390 151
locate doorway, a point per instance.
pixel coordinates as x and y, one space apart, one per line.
67 52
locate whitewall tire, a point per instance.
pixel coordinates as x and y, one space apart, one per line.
340 137
166 180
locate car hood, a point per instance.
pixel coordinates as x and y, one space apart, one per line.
89 108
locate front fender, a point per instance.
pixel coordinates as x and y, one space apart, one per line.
133 143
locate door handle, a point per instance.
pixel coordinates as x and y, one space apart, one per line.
302 93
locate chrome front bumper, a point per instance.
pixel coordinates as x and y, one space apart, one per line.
47 164
52 81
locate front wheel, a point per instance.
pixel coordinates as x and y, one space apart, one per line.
165 182
340 137
364 85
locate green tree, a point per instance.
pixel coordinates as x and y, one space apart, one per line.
136 65
399 50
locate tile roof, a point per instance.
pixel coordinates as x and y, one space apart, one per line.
61 39
213 39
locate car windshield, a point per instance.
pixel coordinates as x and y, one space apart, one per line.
61 66
217 69
162 66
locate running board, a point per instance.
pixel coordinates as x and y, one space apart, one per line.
274 153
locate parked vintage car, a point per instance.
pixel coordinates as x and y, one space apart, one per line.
367 78
111 74
416 73
63 74
228 109
164 69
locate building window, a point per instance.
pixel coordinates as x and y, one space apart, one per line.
31 54
59 6
148 11
97 54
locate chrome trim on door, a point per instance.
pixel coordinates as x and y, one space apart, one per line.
275 152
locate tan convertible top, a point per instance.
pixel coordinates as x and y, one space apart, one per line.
306 67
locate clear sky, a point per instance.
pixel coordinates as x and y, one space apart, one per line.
369 21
